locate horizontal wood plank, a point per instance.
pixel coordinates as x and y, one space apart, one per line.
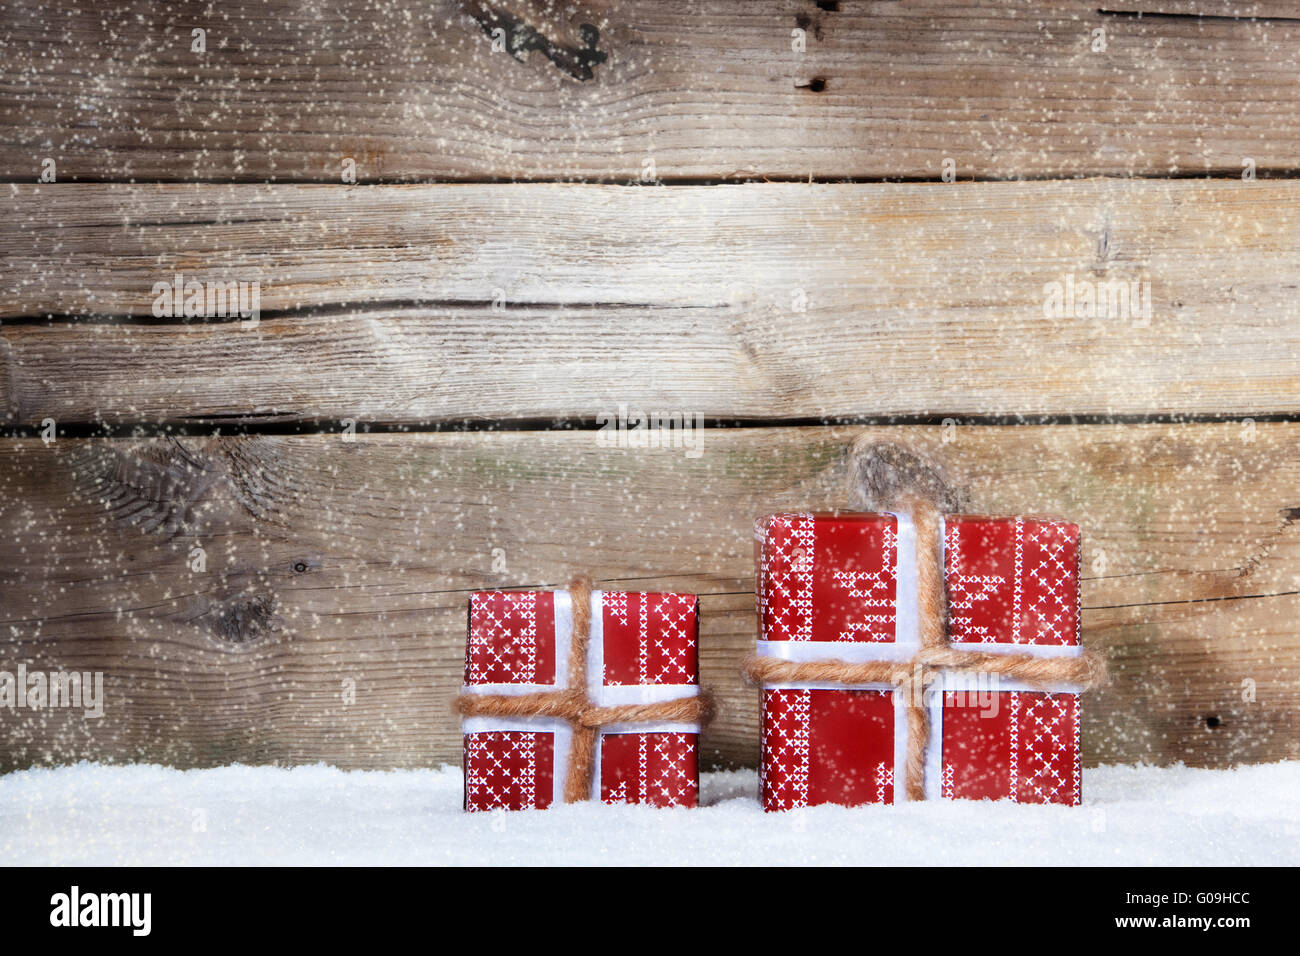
335 566
416 304
596 89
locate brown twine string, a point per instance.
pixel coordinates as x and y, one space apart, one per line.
888 478
573 705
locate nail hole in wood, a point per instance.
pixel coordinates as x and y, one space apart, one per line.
1212 722
817 84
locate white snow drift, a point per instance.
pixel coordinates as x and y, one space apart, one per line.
90 814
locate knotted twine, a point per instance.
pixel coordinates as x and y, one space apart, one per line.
573 704
888 478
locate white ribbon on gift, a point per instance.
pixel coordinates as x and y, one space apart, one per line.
904 647
598 692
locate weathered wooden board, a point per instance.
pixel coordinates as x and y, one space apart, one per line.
411 304
329 561
596 89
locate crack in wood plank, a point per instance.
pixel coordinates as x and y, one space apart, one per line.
521 38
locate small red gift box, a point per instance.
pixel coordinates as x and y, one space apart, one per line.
843 587
642 650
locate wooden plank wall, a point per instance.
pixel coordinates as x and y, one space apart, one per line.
556 301
264 534
724 89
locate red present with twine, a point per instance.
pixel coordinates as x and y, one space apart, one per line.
909 654
581 694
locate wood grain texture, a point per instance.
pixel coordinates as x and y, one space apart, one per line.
415 304
330 561
286 90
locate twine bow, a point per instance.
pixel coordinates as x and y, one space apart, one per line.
891 479
573 704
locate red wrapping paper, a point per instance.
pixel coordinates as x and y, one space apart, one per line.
837 579
641 644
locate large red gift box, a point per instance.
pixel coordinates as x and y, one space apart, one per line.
843 586
642 650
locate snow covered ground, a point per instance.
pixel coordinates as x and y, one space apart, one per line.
91 814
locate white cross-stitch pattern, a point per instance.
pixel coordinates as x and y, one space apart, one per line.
873 588
643 642
675 612
615 602
670 754
884 781
642 768
491 780
787 749
669 657
1018 581
674 778
492 635
1014 769
964 591
1048 569
617 794
1049 728
790 589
